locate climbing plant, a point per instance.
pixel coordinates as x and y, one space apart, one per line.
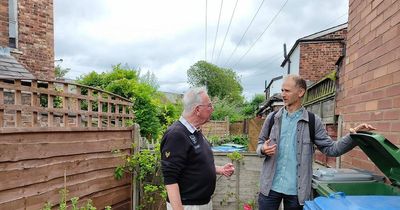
145 166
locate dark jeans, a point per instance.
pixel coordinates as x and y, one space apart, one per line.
273 200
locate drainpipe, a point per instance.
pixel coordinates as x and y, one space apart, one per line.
340 118
339 132
286 58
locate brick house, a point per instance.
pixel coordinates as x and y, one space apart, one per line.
369 84
314 56
26 39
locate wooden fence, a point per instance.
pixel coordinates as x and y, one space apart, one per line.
55 135
250 127
42 103
238 128
254 128
33 163
216 128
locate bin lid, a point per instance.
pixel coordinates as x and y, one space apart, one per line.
382 152
341 175
341 201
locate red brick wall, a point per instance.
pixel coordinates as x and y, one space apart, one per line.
370 81
319 156
3 23
318 59
341 34
36 36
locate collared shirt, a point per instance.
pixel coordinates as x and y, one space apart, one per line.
187 160
187 124
304 152
285 179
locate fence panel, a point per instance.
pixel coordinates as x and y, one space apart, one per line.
255 126
216 128
237 128
35 164
43 103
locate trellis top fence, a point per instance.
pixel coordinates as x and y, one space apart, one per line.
50 103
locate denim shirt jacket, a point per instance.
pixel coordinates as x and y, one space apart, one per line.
305 151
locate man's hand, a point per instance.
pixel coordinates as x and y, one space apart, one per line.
226 170
362 127
174 196
269 150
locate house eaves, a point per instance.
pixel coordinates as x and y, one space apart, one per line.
273 80
315 38
275 99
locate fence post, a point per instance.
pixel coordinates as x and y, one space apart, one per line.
78 107
65 100
1 110
34 103
99 109
135 184
18 102
237 184
50 105
246 126
227 125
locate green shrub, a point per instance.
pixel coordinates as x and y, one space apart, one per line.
74 203
235 156
214 140
146 168
237 139
151 113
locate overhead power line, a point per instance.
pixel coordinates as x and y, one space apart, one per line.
205 44
266 64
268 60
227 31
334 21
216 33
241 39
259 37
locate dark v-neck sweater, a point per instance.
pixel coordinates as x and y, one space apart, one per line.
187 159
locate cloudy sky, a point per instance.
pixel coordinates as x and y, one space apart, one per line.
167 37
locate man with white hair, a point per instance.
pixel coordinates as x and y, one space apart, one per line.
186 157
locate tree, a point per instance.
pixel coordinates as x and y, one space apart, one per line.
149 112
60 72
220 82
250 108
236 111
149 78
224 108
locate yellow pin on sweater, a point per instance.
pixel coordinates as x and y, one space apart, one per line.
167 154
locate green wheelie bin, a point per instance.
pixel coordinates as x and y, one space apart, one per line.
386 157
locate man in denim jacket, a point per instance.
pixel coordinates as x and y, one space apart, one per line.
288 150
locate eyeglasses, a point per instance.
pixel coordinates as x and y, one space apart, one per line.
208 105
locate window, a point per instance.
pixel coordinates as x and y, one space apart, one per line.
13 23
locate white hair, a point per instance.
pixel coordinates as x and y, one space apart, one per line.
192 98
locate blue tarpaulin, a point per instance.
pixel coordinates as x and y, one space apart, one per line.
229 148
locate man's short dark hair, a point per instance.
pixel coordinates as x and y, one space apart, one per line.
300 82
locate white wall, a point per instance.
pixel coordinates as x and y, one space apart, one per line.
276 86
295 61
294 69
